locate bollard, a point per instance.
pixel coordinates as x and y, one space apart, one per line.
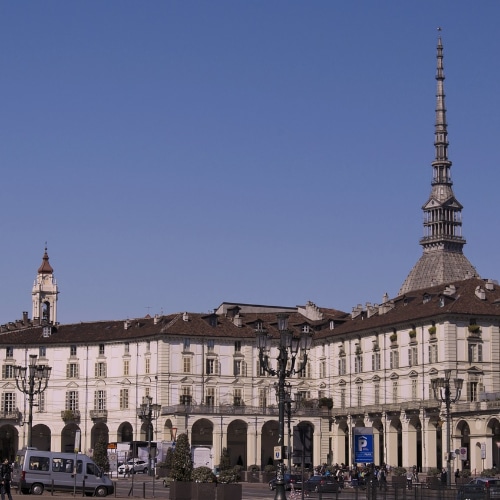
144 489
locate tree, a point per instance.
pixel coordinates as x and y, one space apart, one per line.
101 454
182 465
225 461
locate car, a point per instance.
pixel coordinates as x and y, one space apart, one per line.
321 483
290 479
480 488
135 465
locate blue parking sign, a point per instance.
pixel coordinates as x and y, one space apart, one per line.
363 446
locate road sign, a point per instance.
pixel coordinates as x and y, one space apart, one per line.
277 453
363 445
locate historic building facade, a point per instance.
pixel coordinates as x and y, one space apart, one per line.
369 368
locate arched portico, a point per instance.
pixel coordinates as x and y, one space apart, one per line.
41 437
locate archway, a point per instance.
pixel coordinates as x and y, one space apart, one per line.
202 433
237 442
41 437
303 444
68 438
269 438
342 454
9 441
464 432
125 433
494 432
99 432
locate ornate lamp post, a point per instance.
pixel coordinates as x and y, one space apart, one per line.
148 412
32 380
288 408
289 347
442 392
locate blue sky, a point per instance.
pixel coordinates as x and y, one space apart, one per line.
178 154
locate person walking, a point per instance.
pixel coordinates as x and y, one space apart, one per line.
6 476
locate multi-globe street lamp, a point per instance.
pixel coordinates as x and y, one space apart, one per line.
148 412
289 348
442 392
32 380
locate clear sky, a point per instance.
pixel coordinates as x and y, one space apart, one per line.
178 154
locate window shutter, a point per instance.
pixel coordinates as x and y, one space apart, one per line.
479 352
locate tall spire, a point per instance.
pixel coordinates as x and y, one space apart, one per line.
443 260
44 293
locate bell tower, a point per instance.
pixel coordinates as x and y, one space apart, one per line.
44 294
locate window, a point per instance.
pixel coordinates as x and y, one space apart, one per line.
100 400
147 365
186 364
375 361
358 363
433 353
359 391
342 366
41 402
123 399
72 400
42 351
237 397
126 367
413 356
210 345
9 402
238 368
148 346
72 350
394 359
394 391
211 366
322 369
9 352
260 370
127 348
187 344
210 396
72 370
414 389
100 369
237 346
263 398
186 397
8 371
101 349
472 391
342 397
376 394
475 353
306 372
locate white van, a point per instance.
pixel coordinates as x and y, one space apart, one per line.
35 471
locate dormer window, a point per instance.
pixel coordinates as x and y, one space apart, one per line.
426 298
306 328
259 326
101 349
9 352
210 345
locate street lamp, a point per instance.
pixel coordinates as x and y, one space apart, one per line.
288 408
289 347
32 380
442 392
148 412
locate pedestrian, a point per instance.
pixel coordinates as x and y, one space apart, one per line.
457 476
6 476
444 477
127 471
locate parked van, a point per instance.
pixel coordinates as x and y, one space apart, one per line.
35 470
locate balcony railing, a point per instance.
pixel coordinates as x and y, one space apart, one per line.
98 414
11 414
70 415
237 410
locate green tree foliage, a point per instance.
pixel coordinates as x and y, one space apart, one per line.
225 461
182 465
101 454
169 458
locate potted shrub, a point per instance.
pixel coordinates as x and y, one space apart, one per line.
474 329
432 330
182 467
203 486
326 403
253 474
394 337
433 479
268 473
398 477
228 487
413 334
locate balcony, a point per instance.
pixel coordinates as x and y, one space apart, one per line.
12 414
236 409
99 415
70 415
